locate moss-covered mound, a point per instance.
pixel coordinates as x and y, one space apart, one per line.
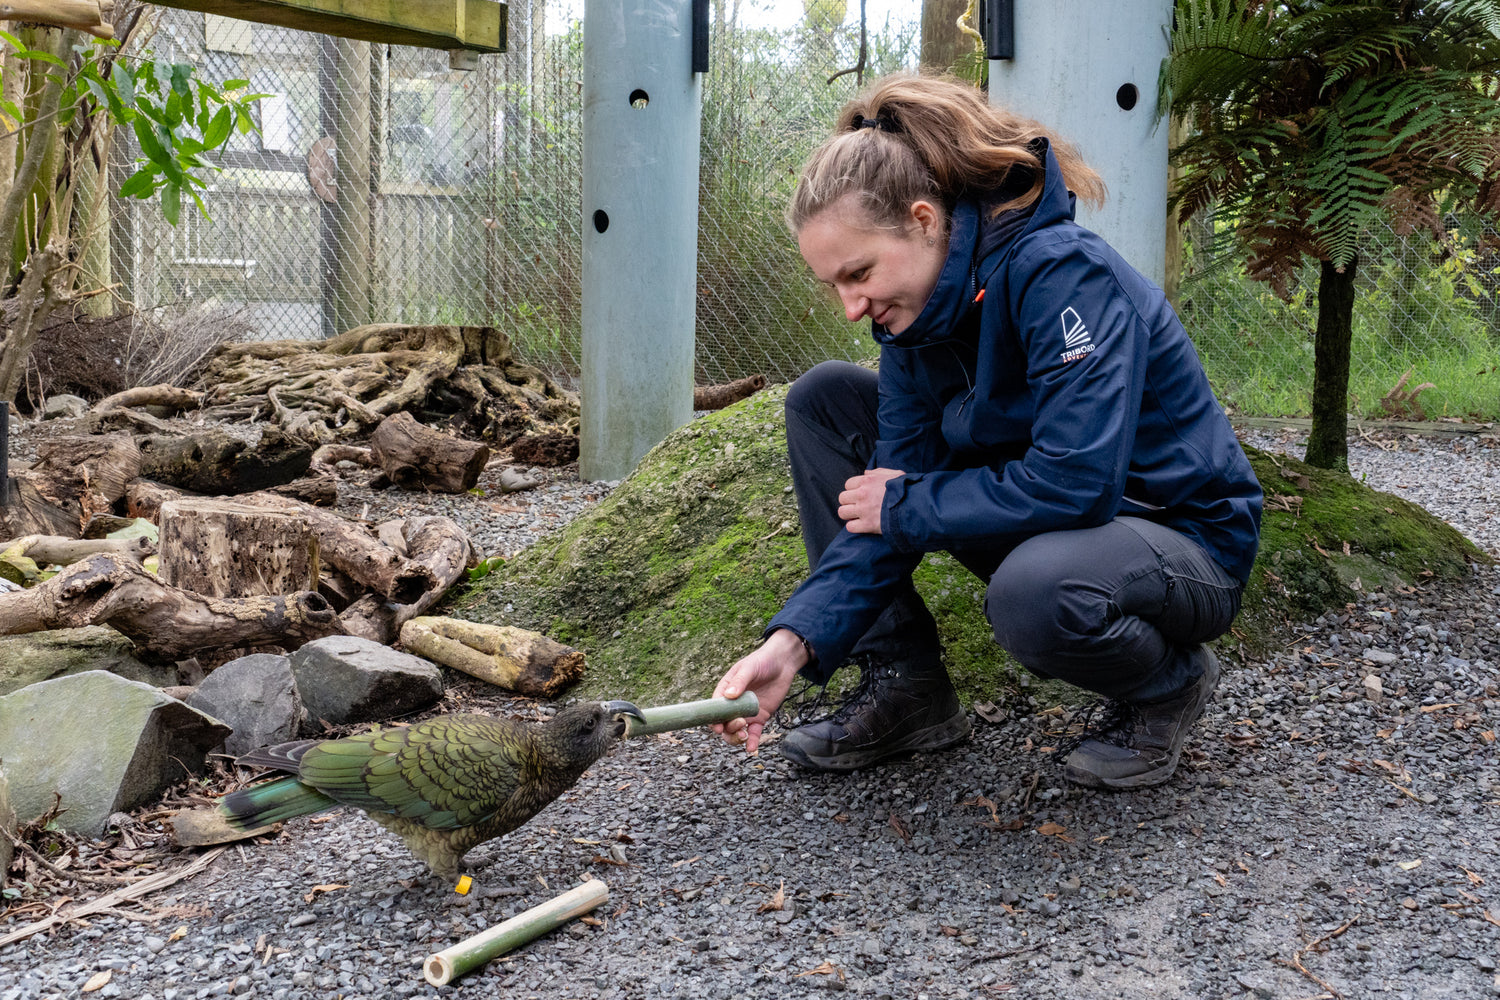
674 575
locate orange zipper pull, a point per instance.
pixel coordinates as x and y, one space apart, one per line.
980 297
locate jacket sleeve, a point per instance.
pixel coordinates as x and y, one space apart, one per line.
1086 353
858 574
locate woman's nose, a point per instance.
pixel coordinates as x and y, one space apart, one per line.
855 304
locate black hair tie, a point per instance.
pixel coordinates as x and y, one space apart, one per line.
880 122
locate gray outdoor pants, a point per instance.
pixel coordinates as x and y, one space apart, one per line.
1117 609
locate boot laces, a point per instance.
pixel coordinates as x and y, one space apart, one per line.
801 710
1110 720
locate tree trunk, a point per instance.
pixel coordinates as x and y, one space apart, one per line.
221 548
165 622
414 456
1328 442
214 462
942 42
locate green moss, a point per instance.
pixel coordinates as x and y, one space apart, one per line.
672 577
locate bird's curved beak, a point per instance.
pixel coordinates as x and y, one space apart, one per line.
622 712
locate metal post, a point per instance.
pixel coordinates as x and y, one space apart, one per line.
640 226
1088 70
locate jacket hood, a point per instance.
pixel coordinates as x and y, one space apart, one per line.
975 238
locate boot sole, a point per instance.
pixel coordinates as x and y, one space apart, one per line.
940 737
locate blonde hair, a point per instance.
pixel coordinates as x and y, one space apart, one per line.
910 138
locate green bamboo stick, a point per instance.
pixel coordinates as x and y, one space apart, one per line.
690 714
450 963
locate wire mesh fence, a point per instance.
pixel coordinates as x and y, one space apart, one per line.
469 210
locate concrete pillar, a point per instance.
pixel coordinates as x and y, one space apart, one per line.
641 103
1088 70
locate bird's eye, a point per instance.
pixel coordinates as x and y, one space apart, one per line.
590 723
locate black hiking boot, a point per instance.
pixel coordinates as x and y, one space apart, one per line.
1137 743
895 710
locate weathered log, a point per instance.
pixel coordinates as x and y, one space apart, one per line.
438 544
213 462
219 547
321 490
351 548
716 397
549 449
56 550
90 15
144 497
516 659
73 478
414 456
127 420
167 396
330 455
163 621
30 513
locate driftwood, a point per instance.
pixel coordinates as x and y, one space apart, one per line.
326 458
436 543
74 477
219 547
414 456
462 378
716 397
214 462
349 547
56 550
166 397
144 497
90 15
321 490
516 659
163 621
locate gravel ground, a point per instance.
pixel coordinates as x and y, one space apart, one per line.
1316 842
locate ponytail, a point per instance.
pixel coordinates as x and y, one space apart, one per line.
910 138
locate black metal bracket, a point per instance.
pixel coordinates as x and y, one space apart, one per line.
700 36
997 23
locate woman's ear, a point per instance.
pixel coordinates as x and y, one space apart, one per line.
928 219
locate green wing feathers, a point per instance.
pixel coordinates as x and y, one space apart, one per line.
272 802
446 773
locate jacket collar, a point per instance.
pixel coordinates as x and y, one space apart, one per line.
959 281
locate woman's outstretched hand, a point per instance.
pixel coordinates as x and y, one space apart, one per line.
768 671
860 503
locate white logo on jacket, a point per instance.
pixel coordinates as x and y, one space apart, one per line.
1076 342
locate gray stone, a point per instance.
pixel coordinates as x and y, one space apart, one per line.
64 405
7 826
105 744
257 697
42 656
344 678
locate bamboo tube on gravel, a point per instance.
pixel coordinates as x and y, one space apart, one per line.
447 965
689 714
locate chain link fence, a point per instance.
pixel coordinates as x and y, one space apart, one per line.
470 211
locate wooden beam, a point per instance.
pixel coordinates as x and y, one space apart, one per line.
90 15
435 24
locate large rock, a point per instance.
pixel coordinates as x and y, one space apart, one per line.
42 656
104 743
344 678
7 827
673 576
257 697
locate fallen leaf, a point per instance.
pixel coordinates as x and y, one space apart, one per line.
1488 735
600 859
841 817
948 930
989 711
1490 918
1407 866
776 902
591 921
826 969
321 888
97 981
1438 708
1221 880
980 800
591 843
178 934
1474 877
688 861
1051 829
901 828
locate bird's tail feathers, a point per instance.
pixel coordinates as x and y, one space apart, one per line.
271 802
281 757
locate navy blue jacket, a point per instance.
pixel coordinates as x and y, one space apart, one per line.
1064 396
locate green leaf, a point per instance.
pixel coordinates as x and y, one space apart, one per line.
124 84
138 184
182 76
171 202
235 85
218 130
155 151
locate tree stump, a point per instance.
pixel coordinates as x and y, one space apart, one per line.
219 547
414 456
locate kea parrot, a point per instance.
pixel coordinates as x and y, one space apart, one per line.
444 785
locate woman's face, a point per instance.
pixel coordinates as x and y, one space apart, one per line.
885 274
